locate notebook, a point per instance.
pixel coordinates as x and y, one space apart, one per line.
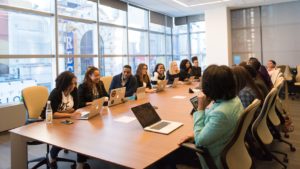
161 85
150 120
93 110
140 93
117 96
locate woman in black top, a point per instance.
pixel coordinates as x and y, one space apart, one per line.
142 77
91 88
185 70
173 72
196 70
64 102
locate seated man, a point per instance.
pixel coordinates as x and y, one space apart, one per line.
124 79
196 70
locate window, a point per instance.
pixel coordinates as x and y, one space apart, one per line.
138 42
137 18
114 65
157 44
113 40
44 5
111 15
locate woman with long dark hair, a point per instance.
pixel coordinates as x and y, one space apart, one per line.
142 78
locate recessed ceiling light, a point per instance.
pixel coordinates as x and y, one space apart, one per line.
200 4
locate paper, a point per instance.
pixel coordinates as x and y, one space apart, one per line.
179 97
125 119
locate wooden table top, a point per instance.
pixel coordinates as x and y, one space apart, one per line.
125 144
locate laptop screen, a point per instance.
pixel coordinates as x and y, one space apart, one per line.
146 114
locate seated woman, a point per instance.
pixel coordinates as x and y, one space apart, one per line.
246 88
218 112
64 102
91 88
261 72
173 72
158 73
142 78
185 70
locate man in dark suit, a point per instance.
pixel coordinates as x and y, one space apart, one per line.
196 70
125 79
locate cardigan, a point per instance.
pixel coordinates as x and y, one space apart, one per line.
171 78
56 100
85 94
214 127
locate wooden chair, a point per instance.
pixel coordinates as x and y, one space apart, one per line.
107 81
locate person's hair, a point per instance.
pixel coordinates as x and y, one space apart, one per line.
183 64
171 71
90 70
243 78
273 62
127 66
194 58
218 83
64 80
142 78
254 63
156 67
243 63
251 71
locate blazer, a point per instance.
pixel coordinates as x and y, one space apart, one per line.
131 84
85 94
56 99
214 127
196 71
140 84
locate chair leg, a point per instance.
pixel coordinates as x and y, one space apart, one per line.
285 158
280 162
40 164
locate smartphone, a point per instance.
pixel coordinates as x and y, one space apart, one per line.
67 122
194 101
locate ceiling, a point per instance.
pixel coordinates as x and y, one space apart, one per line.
192 7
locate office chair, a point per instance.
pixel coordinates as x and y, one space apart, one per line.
275 117
107 81
35 99
261 131
236 145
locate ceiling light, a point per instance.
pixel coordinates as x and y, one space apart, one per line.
200 4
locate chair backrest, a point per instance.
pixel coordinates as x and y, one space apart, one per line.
107 81
230 159
272 115
298 74
35 99
276 75
260 128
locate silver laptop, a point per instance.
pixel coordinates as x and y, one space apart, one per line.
140 93
161 85
117 96
150 120
93 110
190 80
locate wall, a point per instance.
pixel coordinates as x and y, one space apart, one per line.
218 36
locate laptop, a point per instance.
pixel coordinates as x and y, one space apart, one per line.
175 82
150 120
140 93
190 80
117 96
91 110
161 85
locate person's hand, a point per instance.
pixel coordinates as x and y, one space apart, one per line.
88 103
203 101
187 138
75 115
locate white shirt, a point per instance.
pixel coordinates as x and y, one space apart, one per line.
67 103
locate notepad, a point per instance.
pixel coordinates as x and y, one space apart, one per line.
179 97
125 119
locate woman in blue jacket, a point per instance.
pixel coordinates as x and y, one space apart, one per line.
218 112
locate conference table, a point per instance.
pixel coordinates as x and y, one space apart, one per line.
113 136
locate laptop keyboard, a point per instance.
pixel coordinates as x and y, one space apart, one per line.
160 125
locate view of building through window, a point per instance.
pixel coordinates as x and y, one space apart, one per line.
34 49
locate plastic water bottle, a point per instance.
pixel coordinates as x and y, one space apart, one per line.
105 104
49 113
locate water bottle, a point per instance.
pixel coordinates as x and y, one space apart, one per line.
49 113
105 104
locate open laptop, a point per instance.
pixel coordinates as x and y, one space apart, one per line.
190 80
140 93
117 96
91 110
175 83
150 120
161 85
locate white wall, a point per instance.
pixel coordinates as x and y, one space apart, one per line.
218 37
